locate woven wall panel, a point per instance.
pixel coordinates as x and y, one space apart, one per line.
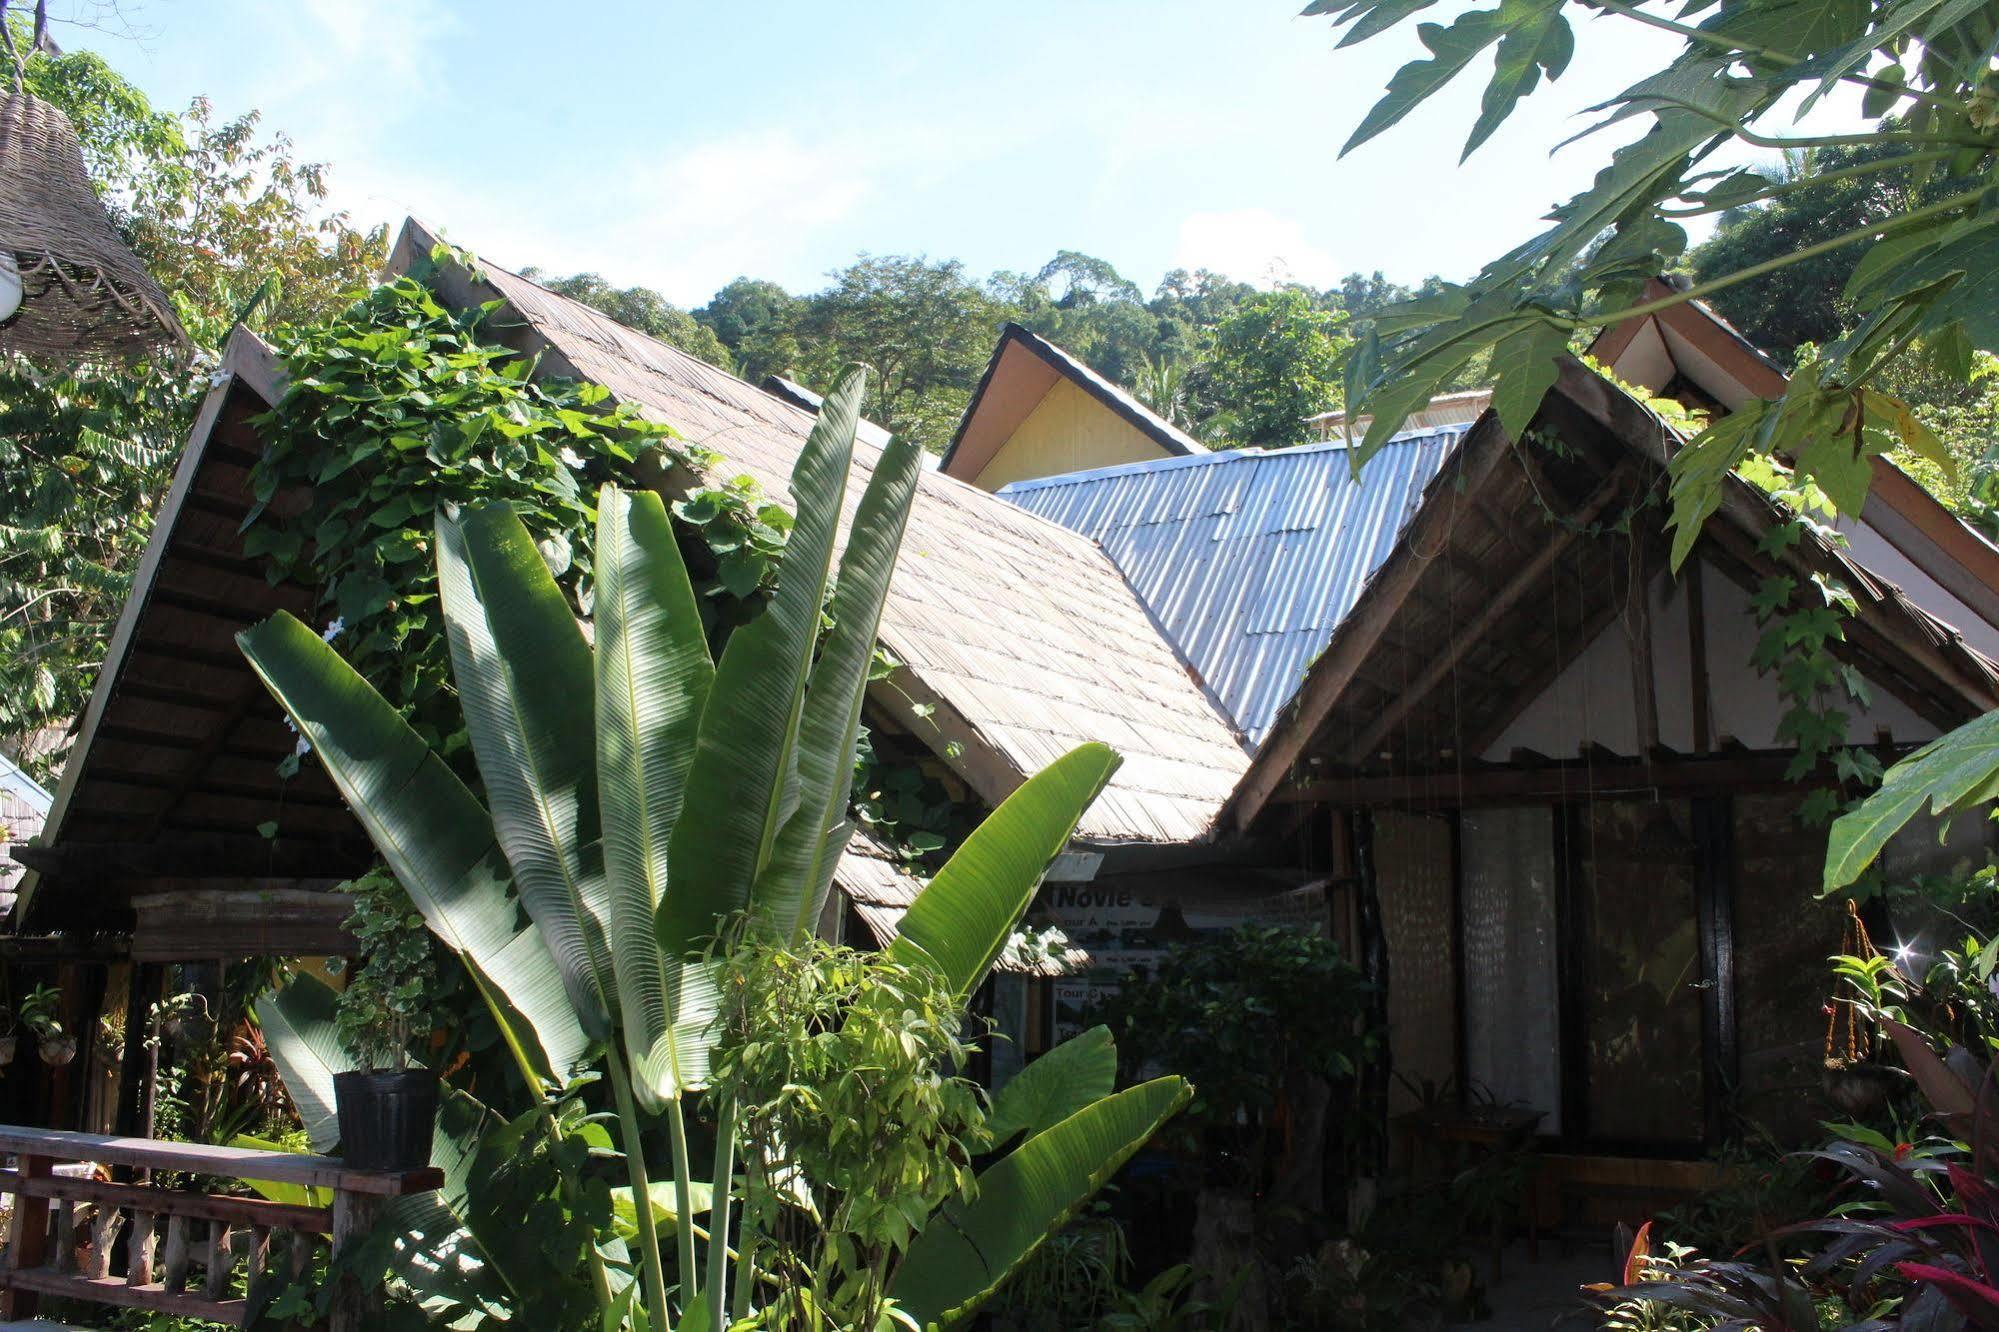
1413 869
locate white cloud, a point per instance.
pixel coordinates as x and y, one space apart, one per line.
757 202
1253 245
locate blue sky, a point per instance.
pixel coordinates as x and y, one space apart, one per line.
678 145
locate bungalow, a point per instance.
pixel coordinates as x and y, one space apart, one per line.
1015 641
1453 708
1038 411
1543 767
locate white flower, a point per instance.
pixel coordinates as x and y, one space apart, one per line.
334 630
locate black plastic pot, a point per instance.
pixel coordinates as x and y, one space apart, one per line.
386 1118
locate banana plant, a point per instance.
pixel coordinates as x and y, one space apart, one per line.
642 795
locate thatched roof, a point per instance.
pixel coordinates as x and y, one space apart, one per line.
1022 634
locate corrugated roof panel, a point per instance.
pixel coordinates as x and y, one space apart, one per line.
1248 559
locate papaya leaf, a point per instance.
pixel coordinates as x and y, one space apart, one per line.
1451 49
1953 772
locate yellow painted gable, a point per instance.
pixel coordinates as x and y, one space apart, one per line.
1068 431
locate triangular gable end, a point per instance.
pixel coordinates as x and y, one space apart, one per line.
1512 568
1038 411
1688 350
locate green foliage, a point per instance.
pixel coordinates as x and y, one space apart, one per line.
1955 772
41 1012
86 451
1803 302
632 814
758 322
924 327
976 1243
397 408
398 991
85 454
743 531
1276 362
1922 275
841 1066
1241 1013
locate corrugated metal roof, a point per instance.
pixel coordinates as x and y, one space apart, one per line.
1249 559
22 789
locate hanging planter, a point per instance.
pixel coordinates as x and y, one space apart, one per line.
69 289
1853 1080
7 1044
58 1050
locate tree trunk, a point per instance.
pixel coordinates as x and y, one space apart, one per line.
1226 1256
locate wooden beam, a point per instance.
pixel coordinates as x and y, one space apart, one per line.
1542 678
209 857
1556 781
1364 627
1524 579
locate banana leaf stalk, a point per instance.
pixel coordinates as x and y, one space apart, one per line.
630 1127
718 1247
683 1178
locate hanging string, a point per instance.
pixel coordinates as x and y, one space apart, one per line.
13 52
1853 942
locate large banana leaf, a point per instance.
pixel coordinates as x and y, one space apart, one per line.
963 1255
436 837
792 889
653 679
435 1252
744 782
961 921
299 1031
1080 1070
523 673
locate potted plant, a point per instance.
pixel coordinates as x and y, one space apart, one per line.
40 1013
387 1105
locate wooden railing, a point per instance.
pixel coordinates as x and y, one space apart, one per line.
68 1228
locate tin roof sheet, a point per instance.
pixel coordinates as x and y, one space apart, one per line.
1248 560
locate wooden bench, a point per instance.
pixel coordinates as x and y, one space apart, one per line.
66 1228
1637 1187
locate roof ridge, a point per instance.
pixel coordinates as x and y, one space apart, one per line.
1218 457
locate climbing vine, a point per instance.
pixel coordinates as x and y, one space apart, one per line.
1800 621
401 406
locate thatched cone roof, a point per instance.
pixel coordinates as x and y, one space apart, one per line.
84 295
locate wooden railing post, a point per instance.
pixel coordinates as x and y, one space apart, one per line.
27 1247
355 1303
95 1215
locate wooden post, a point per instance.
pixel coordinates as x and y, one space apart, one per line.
1638 626
28 1248
137 1070
355 1304
1703 703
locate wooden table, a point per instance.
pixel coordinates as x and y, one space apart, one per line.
1464 1136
